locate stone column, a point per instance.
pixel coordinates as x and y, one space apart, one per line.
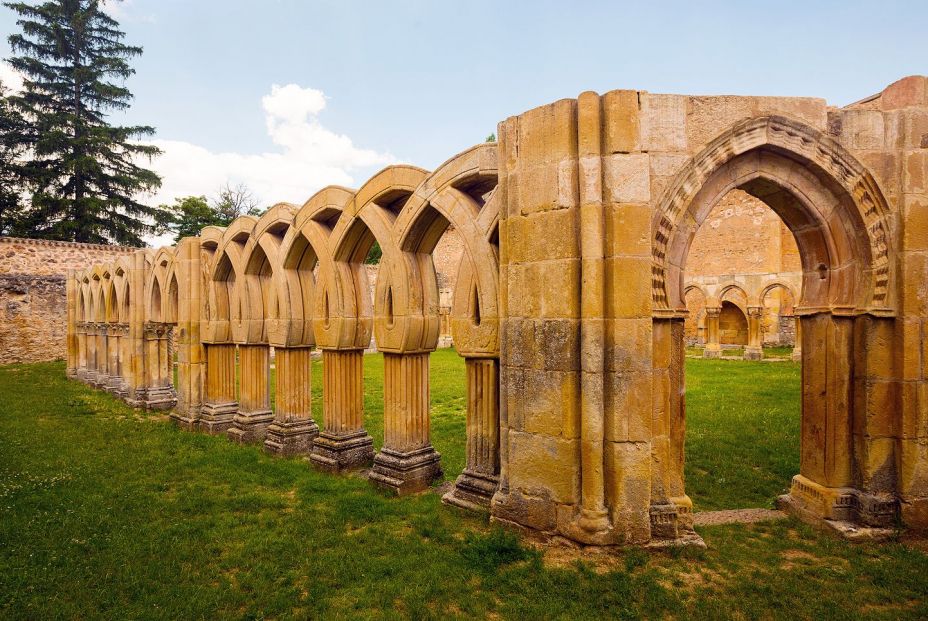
73 347
82 358
101 355
476 485
254 407
156 392
408 462
343 444
191 356
114 378
293 429
797 347
220 405
713 346
754 349
90 350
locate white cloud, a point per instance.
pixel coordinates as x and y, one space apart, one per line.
309 156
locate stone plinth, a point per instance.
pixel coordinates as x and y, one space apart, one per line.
220 405
293 429
254 414
407 463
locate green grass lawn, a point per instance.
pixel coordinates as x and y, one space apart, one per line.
110 513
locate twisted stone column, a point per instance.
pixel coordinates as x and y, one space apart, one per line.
476 485
220 404
343 444
408 462
293 429
713 345
754 349
254 405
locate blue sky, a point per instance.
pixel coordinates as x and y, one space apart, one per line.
418 81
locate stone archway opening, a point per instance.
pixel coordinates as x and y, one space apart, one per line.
837 217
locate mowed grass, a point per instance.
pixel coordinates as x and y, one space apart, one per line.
110 513
742 432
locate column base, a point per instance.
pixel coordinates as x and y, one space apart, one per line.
113 385
291 438
846 511
337 453
160 398
753 353
187 422
406 473
472 491
796 356
70 373
249 428
216 418
711 353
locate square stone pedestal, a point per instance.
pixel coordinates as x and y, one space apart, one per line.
337 453
185 420
753 353
291 438
406 473
250 428
160 398
472 491
216 418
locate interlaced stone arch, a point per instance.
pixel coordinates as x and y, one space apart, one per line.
765 156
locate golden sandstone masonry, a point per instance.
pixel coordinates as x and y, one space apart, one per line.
568 308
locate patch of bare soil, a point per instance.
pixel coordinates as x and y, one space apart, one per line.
736 516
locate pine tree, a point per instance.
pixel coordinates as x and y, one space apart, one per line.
12 127
82 171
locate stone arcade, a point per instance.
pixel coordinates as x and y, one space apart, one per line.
568 309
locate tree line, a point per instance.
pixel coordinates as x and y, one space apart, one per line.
66 172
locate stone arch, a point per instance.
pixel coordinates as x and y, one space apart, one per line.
733 324
225 323
316 296
371 216
843 230
770 286
830 201
459 194
161 288
735 294
110 296
268 305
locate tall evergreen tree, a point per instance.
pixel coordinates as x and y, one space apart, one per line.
12 127
82 171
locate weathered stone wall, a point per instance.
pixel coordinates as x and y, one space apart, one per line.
33 321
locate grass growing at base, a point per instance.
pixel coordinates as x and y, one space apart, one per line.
742 432
110 513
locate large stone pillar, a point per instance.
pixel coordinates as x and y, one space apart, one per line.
73 347
407 462
191 356
754 349
293 429
82 354
713 344
100 348
476 485
219 405
343 443
254 404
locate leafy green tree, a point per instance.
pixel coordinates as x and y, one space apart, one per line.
491 137
187 216
82 171
12 127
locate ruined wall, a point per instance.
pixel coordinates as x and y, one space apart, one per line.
33 318
742 236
